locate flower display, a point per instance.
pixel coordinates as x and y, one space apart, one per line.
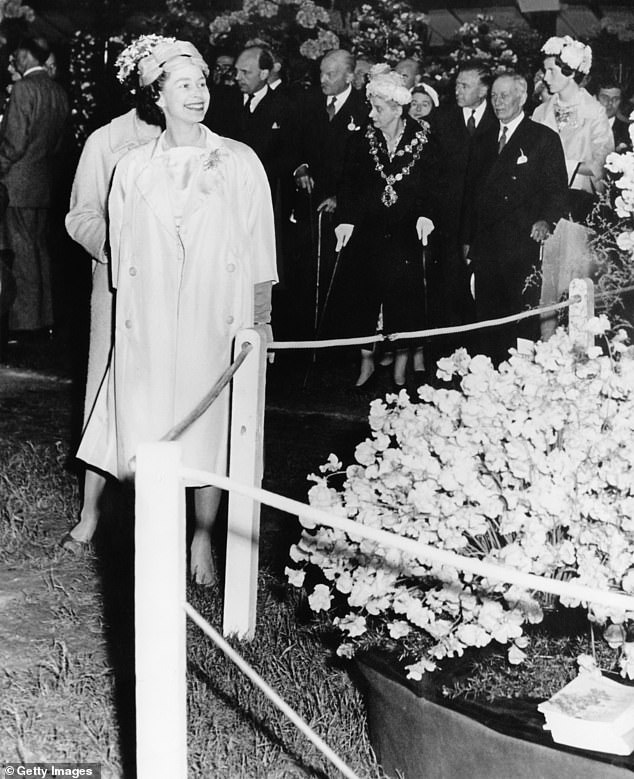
529 465
296 27
612 222
573 53
388 31
13 9
481 41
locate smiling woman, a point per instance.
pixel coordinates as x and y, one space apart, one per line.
193 259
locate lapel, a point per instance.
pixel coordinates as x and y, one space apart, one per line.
506 161
154 184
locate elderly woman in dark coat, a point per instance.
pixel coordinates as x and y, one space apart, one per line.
385 209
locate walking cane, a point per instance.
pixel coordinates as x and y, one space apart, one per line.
322 318
317 275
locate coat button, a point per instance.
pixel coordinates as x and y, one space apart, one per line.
231 267
128 323
132 271
229 320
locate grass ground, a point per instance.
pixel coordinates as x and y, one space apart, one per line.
66 690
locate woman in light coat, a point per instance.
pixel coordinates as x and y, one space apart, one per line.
86 223
192 261
583 127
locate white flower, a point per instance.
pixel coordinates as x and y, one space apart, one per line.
320 599
625 241
626 661
295 577
516 655
399 629
352 624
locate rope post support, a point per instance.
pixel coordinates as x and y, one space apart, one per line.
159 617
581 294
245 466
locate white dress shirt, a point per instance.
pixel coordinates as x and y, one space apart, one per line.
257 96
478 113
510 126
340 99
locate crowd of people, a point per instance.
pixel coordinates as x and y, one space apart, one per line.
219 184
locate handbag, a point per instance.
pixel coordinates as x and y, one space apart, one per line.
580 202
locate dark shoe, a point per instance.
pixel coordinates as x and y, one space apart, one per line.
75 546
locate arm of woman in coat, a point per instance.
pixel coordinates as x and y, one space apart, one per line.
350 200
601 143
86 219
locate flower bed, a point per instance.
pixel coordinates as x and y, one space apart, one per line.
529 465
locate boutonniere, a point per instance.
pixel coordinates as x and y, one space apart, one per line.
522 159
352 126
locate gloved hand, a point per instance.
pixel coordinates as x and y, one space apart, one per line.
343 233
424 228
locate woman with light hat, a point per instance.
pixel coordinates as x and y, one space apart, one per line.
385 209
192 262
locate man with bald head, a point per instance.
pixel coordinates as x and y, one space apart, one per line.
521 194
411 71
330 117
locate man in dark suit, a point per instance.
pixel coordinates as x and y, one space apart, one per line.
31 133
266 116
457 129
521 194
610 95
329 118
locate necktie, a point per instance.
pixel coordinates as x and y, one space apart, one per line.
330 108
502 141
247 105
471 125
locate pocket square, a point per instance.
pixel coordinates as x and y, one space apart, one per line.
275 126
522 159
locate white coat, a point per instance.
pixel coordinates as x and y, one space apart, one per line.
181 296
588 139
86 224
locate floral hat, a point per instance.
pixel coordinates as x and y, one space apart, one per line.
386 84
165 56
573 53
127 62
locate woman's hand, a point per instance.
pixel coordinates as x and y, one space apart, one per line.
343 233
424 228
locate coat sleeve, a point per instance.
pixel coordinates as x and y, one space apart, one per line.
350 206
15 127
553 194
260 224
86 218
601 142
117 215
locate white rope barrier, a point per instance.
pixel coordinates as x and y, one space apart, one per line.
270 693
429 333
472 565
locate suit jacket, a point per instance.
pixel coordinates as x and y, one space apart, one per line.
620 131
456 175
525 183
268 130
225 111
31 133
323 143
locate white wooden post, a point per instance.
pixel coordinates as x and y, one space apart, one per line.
159 616
245 466
581 311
